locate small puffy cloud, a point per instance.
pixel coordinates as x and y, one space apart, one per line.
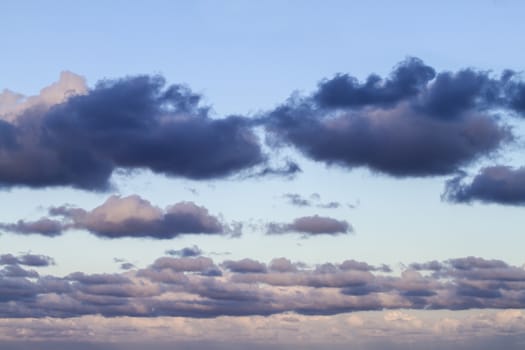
282 265
312 225
186 252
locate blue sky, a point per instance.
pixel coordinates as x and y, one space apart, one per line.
246 59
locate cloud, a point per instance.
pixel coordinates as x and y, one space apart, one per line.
297 200
371 330
352 264
18 272
287 170
44 226
282 265
311 225
34 260
496 184
198 288
414 123
127 266
13 105
186 252
245 266
342 91
129 216
131 123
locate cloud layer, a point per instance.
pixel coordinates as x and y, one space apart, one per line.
198 288
371 330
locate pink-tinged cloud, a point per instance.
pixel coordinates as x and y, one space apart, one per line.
130 216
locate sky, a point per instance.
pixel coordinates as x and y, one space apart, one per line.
277 174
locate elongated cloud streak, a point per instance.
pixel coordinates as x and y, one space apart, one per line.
311 225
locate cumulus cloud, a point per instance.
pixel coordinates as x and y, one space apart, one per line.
414 123
407 79
495 184
311 225
130 216
13 105
131 123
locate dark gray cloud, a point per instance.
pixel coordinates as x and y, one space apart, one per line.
287 170
132 123
44 226
344 91
329 205
414 123
298 200
129 216
245 266
352 264
185 252
127 266
311 225
34 260
17 271
496 184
